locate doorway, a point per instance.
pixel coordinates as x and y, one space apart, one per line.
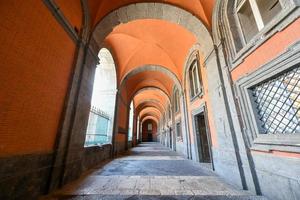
149 131
202 139
150 138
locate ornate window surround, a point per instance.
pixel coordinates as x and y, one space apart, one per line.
267 142
195 57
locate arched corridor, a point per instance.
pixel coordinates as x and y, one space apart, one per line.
194 98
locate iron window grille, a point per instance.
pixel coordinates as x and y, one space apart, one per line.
277 102
97 129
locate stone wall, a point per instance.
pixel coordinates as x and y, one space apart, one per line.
263 168
49 151
25 176
94 155
28 176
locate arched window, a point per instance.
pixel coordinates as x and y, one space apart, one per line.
130 125
101 118
138 128
149 127
195 81
176 101
178 130
254 15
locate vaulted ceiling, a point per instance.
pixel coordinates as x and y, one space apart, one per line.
160 44
150 41
202 9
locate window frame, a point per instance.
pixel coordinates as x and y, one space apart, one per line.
240 25
287 16
170 113
176 101
93 121
179 136
260 25
266 142
195 64
130 122
149 127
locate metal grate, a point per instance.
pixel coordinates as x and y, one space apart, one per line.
97 128
278 103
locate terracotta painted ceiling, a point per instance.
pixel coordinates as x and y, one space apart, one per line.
200 8
148 79
150 41
152 98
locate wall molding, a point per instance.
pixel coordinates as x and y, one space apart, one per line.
286 60
61 19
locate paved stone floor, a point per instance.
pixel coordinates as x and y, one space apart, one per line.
151 171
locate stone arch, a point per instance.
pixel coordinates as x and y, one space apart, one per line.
148 67
160 11
145 68
150 110
149 117
150 102
152 88
152 107
114 57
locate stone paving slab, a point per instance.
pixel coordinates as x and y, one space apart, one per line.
155 197
151 158
153 153
150 185
146 175
154 167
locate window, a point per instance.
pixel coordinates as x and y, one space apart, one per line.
97 130
255 14
247 21
268 9
176 100
194 79
130 125
170 113
138 129
277 102
100 124
149 127
178 130
269 99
